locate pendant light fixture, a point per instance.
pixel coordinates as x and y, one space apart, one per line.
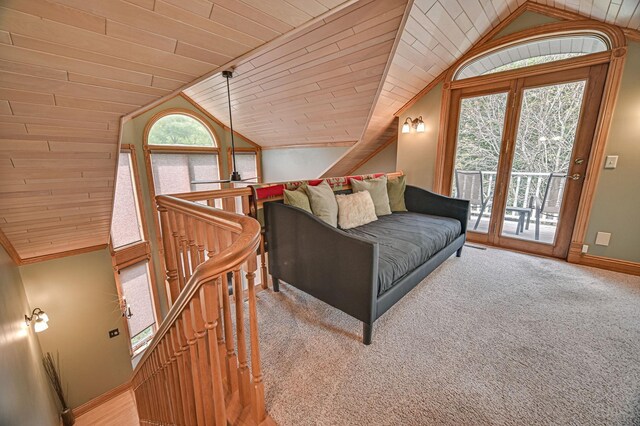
235 175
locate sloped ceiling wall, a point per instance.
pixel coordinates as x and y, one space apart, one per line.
69 69
317 87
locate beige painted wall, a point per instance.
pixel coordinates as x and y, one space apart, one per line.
133 133
617 201
417 151
616 207
384 161
25 394
279 165
79 295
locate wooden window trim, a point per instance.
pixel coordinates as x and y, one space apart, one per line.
615 58
255 151
136 252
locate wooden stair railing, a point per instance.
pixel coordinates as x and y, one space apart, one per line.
196 369
237 200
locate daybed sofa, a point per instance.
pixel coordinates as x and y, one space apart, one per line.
364 271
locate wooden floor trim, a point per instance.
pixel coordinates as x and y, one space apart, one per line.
610 264
101 399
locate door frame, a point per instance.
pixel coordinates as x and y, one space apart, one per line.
614 58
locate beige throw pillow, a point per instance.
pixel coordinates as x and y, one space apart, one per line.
355 209
395 189
323 202
378 190
297 198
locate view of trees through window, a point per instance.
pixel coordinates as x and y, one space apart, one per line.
546 130
179 129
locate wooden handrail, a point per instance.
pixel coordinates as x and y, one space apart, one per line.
226 260
193 372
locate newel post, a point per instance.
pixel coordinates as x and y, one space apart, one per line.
173 289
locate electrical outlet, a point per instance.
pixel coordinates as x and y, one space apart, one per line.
585 248
603 238
611 162
113 333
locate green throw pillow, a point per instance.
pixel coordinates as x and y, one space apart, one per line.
395 189
297 198
323 202
378 190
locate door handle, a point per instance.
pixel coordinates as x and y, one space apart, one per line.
578 161
574 176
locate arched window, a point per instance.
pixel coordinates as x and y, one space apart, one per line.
530 52
183 153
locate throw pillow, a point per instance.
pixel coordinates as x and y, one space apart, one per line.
323 203
355 209
395 189
297 198
378 190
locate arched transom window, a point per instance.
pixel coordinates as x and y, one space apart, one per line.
183 152
533 52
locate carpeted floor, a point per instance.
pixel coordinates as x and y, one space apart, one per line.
494 337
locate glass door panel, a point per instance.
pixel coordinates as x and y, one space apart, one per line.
479 140
544 144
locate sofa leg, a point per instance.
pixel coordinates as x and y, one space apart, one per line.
459 252
367 331
276 284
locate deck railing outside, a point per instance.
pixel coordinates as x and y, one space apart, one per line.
196 369
523 186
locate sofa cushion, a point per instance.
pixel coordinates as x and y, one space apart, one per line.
378 190
297 198
395 188
355 209
323 202
406 240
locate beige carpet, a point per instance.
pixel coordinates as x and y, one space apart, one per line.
491 338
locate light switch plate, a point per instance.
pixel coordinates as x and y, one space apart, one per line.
602 238
585 248
611 162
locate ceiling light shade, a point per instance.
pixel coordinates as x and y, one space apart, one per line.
40 325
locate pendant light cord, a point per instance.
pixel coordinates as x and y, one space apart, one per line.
233 145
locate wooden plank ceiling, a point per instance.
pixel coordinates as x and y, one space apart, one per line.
317 87
69 69
436 34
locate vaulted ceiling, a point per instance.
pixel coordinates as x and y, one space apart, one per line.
311 72
69 69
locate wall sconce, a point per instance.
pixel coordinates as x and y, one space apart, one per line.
39 318
416 123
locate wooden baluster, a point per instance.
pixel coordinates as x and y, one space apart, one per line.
190 229
243 366
168 379
175 380
159 387
173 388
169 256
212 249
190 408
192 355
184 244
203 369
229 204
246 205
173 221
230 356
263 263
259 411
210 307
200 237
184 395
